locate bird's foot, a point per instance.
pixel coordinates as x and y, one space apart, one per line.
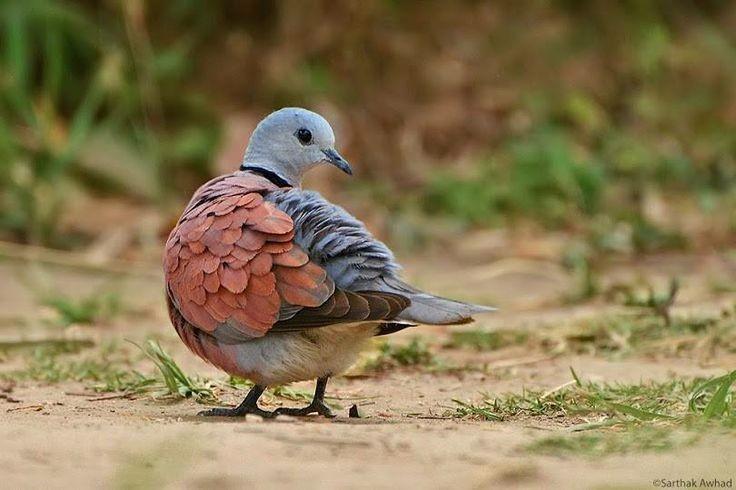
319 407
236 412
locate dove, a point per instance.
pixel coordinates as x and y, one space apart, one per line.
274 283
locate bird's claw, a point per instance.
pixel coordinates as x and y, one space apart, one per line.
318 407
236 412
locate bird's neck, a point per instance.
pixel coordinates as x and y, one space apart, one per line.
268 174
270 161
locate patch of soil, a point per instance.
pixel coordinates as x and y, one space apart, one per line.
62 436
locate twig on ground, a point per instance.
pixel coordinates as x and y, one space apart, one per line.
557 388
507 363
33 253
126 395
36 408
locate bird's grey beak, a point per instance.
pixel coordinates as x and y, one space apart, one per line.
337 160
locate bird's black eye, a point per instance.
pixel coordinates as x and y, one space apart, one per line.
304 136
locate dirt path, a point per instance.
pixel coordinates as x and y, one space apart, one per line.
56 436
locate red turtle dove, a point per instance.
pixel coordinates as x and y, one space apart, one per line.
276 284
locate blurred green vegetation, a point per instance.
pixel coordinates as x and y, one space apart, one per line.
86 104
614 120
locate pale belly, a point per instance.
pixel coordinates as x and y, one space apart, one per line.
280 358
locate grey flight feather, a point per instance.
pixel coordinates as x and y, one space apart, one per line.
356 261
335 240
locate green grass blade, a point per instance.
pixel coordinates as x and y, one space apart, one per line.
718 405
469 409
575 377
175 380
53 61
16 61
81 124
715 383
637 413
16 47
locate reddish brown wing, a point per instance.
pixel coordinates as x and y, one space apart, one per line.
231 260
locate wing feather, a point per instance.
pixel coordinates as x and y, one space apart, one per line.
231 261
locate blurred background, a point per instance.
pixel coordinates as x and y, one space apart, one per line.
605 125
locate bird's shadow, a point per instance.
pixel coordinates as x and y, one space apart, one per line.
287 420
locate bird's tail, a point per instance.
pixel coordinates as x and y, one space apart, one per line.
432 310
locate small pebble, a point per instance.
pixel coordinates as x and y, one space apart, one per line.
354 412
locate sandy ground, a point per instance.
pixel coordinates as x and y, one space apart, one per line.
53 437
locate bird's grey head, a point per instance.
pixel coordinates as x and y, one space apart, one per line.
291 141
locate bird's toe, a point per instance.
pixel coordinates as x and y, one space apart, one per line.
219 412
320 408
236 412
